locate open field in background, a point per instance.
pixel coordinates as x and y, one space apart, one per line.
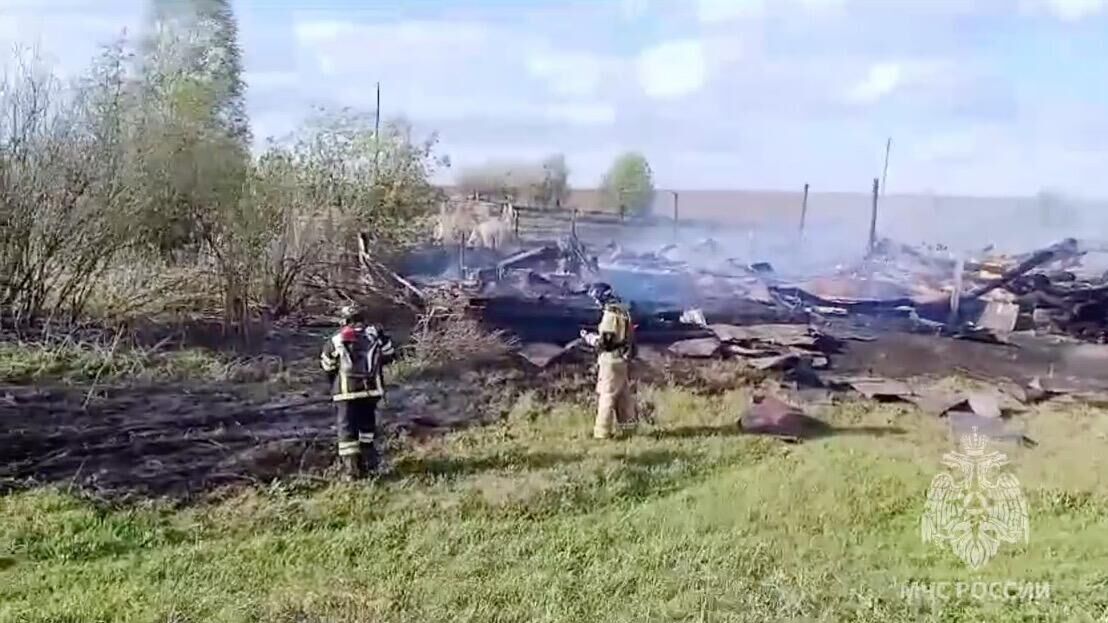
838 222
528 520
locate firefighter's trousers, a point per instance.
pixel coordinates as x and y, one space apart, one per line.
356 426
615 399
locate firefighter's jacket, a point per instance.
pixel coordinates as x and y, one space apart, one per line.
617 334
354 360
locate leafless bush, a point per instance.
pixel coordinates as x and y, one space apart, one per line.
120 197
327 183
63 208
445 335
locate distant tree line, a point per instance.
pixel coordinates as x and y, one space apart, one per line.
627 187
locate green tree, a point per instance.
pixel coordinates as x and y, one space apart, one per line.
629 184
193 152
193 45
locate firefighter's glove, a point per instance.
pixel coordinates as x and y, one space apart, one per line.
592 339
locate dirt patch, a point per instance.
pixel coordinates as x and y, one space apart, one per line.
185 442
173 441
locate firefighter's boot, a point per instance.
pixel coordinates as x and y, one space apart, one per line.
370 459
351 466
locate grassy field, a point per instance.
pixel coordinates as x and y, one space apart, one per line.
532 521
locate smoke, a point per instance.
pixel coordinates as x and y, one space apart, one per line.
836 230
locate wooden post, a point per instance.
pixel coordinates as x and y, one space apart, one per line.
462 256
573 223
377 133
885 172
675 214
803 209
873 218
956 294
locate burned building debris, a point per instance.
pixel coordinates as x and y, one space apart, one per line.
873 327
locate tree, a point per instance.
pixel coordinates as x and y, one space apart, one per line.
554 189
193 44
502 181
193 148
629 184
193 154
542 184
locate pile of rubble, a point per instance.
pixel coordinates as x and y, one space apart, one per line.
1035 311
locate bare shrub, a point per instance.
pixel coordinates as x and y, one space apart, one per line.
446 335
64 214
330 181
123 197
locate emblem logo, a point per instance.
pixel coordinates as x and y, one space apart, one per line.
974 507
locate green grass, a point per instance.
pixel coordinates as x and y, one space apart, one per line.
533 521
79 362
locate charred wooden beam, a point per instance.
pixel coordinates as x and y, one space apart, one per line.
1065 248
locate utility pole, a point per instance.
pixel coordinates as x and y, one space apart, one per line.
873 218
803 209
377 132
885 172
675 214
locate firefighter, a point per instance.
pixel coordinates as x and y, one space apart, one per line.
354 359
615 341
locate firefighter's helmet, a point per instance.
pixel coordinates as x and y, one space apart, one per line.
350 314
602 293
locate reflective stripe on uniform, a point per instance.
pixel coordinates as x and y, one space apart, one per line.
348 448
356 395
328 362
365 437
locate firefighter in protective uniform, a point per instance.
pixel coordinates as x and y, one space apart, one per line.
354 359
615 340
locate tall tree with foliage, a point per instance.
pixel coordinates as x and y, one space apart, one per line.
194 153
629 184
192 53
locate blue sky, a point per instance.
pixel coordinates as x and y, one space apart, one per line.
980 97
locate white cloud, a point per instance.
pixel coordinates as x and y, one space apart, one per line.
715 11
958 145
712 11
65 38
271 79
341 47
582 114
441 72
1071 10
672 69
824 6
724 49
881 80
924 77
9 29
633 9
574 74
